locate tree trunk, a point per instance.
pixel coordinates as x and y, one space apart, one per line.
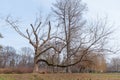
35 70
36 66
66 69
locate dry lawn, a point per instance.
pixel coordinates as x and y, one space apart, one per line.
84 76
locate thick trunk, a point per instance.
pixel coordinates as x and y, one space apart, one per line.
67 70
36 66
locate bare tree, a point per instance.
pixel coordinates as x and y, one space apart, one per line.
69 14
36 37
7 55
26 57
114 64
80 37
28 53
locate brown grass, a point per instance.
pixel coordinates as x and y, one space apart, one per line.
15 70
63 76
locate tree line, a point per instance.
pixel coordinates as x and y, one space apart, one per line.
12 59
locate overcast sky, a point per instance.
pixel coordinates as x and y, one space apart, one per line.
26 10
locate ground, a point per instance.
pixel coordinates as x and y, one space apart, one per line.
81 76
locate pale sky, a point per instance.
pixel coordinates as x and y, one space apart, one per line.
26 10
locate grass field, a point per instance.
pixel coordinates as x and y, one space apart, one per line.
84 76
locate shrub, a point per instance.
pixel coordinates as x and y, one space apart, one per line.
15 70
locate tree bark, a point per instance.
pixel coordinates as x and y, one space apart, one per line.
36 66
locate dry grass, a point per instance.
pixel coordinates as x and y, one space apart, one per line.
15 70
85 76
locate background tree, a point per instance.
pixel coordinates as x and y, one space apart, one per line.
114 65
1 37
81 38
69 14
7 56
26 57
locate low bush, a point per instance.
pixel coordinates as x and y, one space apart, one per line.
15 70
